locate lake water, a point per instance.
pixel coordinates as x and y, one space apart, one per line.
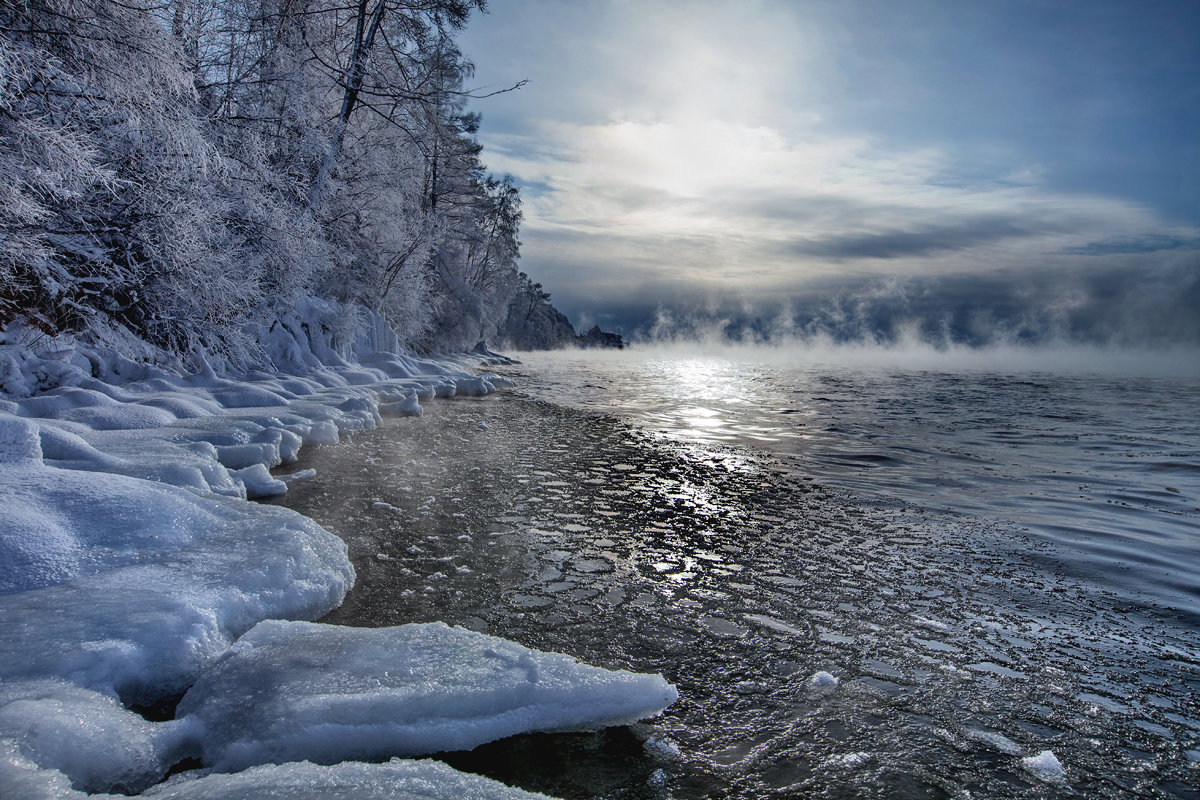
993 564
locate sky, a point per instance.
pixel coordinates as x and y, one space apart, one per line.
1000 169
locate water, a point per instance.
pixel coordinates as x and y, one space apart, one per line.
992 565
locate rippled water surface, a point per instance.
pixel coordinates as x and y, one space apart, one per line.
991 565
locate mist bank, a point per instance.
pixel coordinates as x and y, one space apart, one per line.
912 353
1128 304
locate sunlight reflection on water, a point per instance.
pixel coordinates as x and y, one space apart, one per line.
961 644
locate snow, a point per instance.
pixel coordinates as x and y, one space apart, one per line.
86 735
411 780
293 691
131 563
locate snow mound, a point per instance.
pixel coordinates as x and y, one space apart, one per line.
131 587
291 691
85 735
410 780
19 441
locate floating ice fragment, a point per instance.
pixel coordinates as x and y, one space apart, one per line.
1046 766
661 749
298 475
291 691
823 679
995 740
847 760
483 426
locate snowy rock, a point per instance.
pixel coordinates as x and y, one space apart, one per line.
406 407
473 386
398 778
290 691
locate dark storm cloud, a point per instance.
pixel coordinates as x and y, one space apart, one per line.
1133 244
921 240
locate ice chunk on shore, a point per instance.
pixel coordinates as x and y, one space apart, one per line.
86 735
291 691
258 482
130 586
398 778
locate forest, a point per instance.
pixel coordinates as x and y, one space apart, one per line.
190 171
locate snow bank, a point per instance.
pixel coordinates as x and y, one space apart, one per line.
291 691
130 563
410 780
85 735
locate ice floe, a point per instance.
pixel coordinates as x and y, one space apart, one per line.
87 736
399 778
293 691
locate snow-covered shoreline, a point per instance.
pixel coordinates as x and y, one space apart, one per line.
133 567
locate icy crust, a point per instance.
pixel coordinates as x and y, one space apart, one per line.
293 691
86 736
395 780
131 587
23 779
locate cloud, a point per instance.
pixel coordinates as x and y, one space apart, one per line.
927 239
1148 243
737 153
728 204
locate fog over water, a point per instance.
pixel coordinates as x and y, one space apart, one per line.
994 560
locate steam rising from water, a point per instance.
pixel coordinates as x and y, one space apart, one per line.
911 352
1150 307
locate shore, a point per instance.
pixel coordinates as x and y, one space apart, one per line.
136 574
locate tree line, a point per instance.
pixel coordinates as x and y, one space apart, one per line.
184 168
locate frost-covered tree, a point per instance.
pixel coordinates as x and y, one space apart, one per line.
532 323
109 161
189 169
